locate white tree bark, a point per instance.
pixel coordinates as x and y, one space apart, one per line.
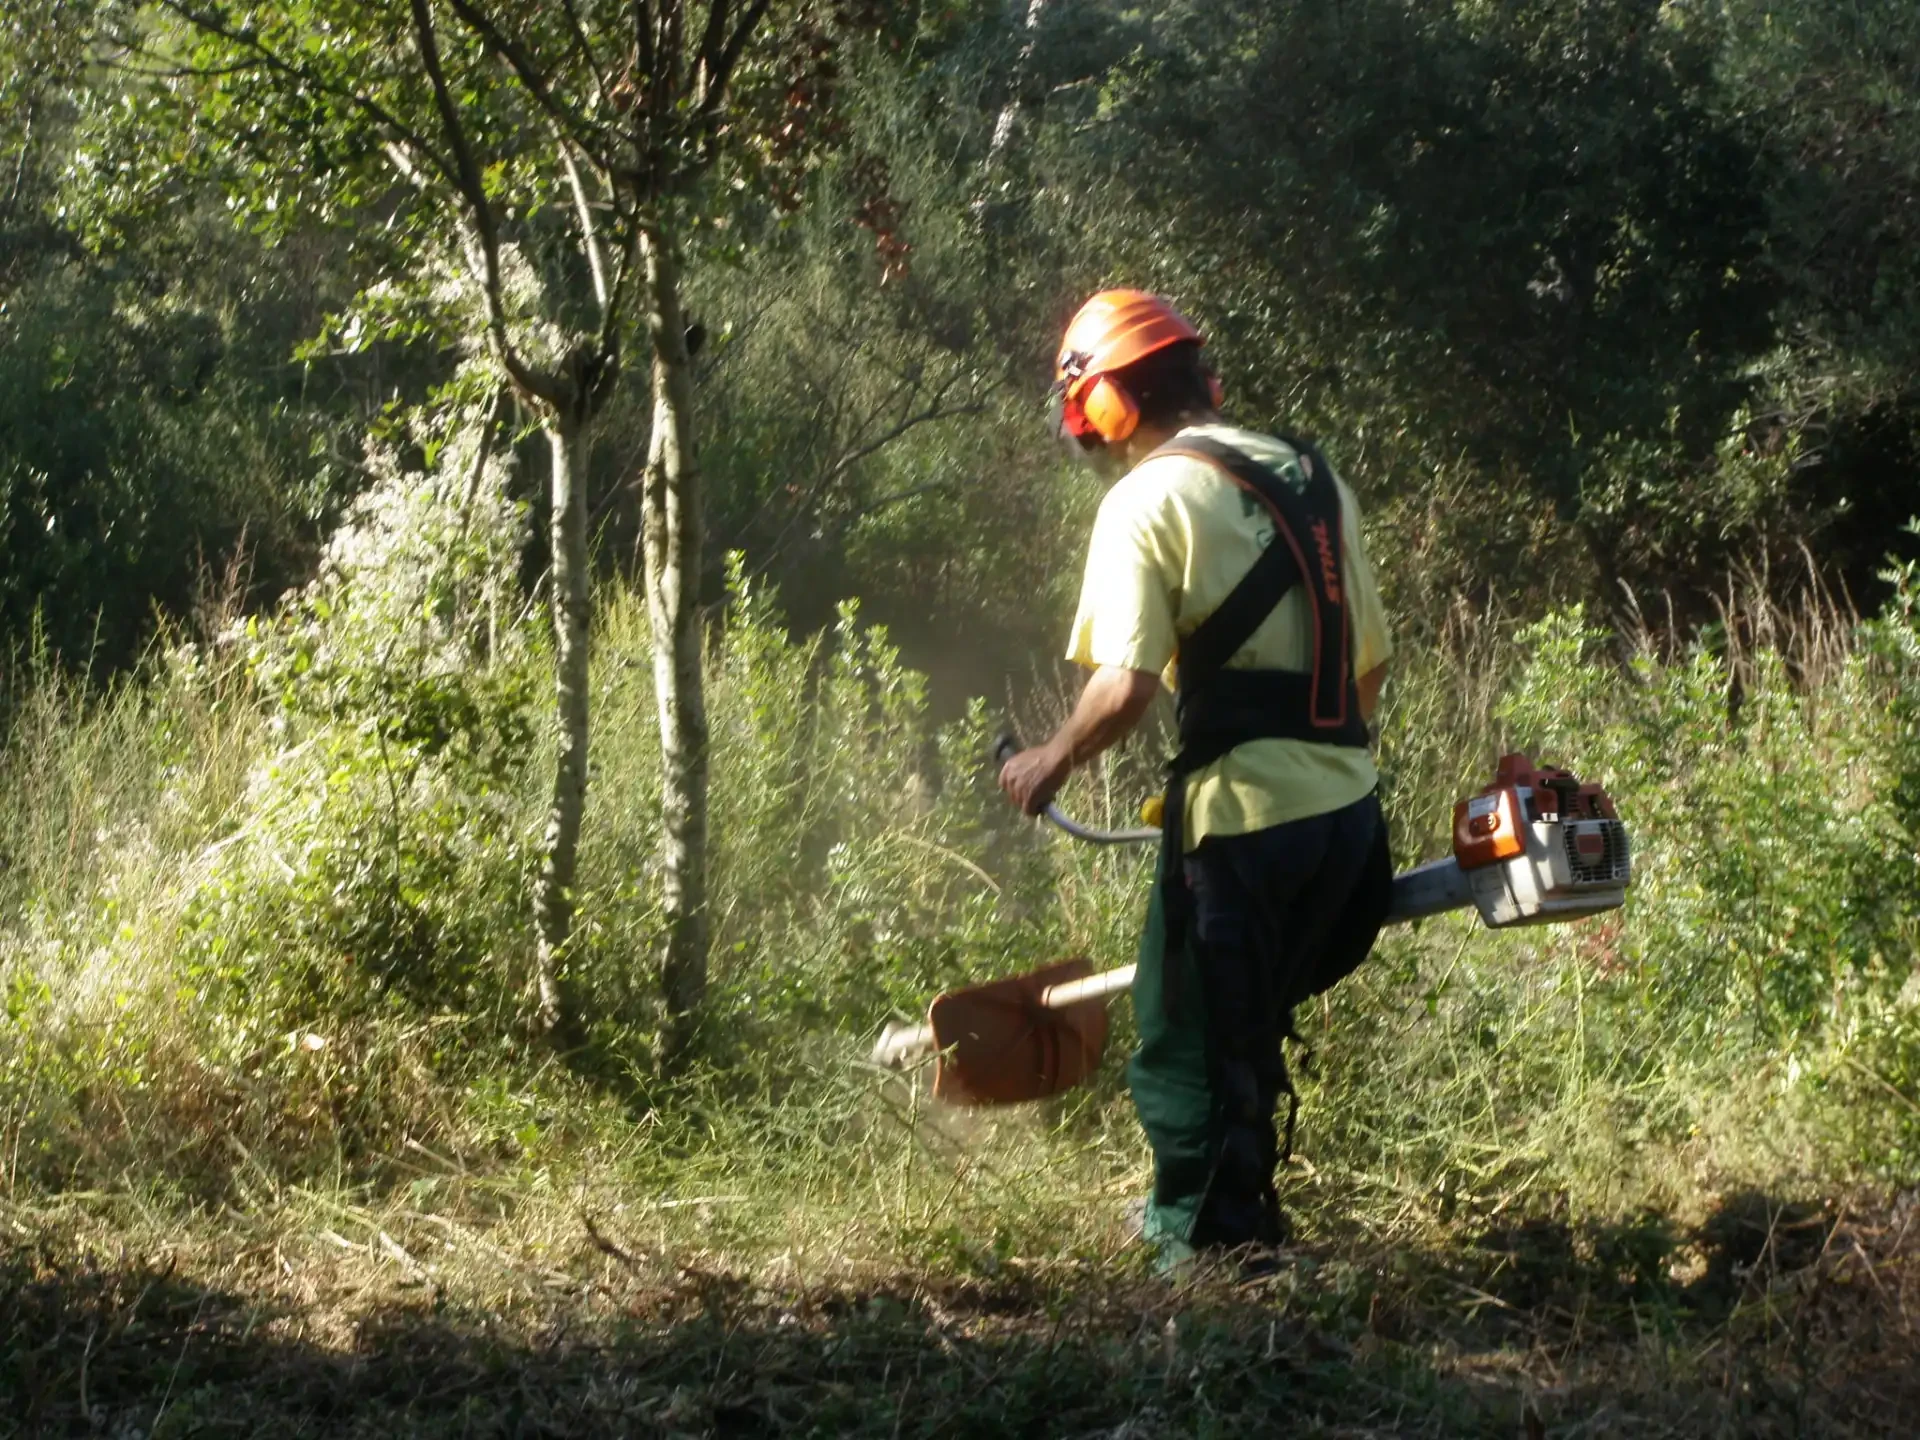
1009 116
670 519
553 895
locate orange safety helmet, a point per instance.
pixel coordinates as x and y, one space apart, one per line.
1112 330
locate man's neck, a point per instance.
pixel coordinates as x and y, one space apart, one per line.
1149 438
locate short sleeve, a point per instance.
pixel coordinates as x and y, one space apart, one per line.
1126 615
1372 642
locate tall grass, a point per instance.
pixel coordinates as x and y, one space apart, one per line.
266 930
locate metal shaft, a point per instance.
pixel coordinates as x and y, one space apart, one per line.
1430 889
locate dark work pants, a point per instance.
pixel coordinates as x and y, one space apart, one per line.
1266 910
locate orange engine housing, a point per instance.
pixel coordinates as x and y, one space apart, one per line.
1489 827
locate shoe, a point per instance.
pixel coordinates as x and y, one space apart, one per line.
1173 1257
1258 1264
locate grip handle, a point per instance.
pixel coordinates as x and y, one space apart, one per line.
1006 745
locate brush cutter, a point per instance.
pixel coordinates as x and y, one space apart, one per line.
1535 847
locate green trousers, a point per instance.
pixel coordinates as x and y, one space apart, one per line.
1272 917
1168 1080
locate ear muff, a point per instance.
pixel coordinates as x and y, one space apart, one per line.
1109 410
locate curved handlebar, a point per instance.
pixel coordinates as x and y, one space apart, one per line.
1007 746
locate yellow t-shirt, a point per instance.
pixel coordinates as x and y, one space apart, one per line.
1173 537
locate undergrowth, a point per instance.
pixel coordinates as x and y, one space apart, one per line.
265 946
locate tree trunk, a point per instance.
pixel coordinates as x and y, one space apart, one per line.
670 519
1009 116
554 892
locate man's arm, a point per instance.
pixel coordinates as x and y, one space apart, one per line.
1109 709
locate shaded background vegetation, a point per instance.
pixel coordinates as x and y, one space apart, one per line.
1596 301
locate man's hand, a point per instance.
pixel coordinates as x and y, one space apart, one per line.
1109 708
1034 777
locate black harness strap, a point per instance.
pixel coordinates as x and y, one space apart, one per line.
1207 650
1220 708
1308 552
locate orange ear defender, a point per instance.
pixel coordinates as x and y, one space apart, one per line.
1108 410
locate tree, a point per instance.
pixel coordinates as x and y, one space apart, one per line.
154 421
39 56
1512 232
557 157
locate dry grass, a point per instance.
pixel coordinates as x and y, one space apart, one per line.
327 1319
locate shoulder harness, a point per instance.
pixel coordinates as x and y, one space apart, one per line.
1220 708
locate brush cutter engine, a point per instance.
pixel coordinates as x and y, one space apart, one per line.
1538 846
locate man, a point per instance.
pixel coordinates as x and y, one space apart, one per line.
1231 564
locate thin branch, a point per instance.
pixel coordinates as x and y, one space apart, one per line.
898 497
178 72
714 87
714 80
421 181
467 175
903 391
403 162
743 329
710 44
469 241
609 340
504 48
1009 115
665 78
587 57
20 165
606 1246
934 412
483 451
468 181
657 72
589 233
643 46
